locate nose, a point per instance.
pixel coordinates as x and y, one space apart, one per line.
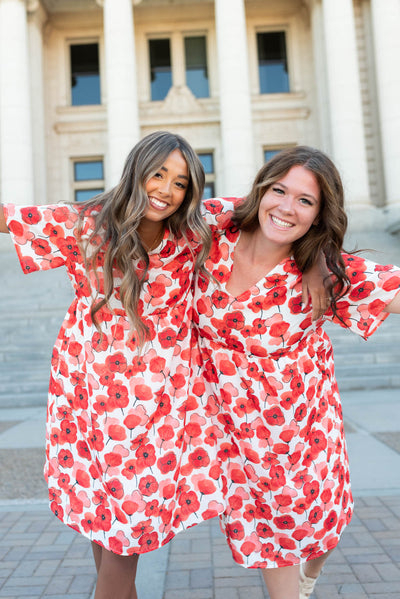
287 204
164 186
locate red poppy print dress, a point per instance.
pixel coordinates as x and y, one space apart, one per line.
269 384
117 421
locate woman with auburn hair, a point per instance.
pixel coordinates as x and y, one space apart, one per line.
121 363
267 368
123 461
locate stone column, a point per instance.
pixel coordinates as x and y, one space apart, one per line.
321 89
16 163
235 99
121 89
344 101
36 20
386 34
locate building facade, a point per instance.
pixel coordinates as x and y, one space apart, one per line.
82 80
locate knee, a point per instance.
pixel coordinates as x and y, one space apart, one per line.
122 563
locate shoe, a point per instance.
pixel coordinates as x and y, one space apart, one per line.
306 584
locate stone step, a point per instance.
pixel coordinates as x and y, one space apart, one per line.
366 382
32 309
24 400
363 359
354 370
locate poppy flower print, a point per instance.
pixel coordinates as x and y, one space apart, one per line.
275 406
121 468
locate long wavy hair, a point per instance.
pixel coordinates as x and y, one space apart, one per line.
327 234
118 213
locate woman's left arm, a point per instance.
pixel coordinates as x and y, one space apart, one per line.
3 224
313 284
394 306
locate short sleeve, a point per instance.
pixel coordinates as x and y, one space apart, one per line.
219 211
44 236
373 287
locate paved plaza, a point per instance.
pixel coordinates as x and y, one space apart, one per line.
42 558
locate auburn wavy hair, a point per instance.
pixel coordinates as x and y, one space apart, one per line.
327 234
118 213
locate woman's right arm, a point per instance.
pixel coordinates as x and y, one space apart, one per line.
3 224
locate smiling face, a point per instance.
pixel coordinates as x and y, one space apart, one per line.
289 207
166 189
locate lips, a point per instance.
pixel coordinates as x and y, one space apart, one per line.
157 204
281 223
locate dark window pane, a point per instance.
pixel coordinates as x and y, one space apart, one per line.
160 65
207 161
208 191
85 74
87 171
81 195
196 66
269 153
272 62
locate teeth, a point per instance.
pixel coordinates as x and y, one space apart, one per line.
281 223
158 203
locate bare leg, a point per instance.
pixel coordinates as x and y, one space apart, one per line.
309 573
282 583
116 576
97 551
313 567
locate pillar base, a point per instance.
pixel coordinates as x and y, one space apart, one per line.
392 218
368 231
364 217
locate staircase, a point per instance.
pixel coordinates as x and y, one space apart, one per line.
367 364
32 308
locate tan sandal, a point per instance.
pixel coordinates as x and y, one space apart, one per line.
306 585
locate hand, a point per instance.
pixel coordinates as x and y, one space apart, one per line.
3 225
314 287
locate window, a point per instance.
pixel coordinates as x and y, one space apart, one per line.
88 179
196 66
160 66
85 74
207 160
166 66
272 62
268 154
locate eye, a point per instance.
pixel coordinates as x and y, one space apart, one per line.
180 185
157 175
278 190
306 201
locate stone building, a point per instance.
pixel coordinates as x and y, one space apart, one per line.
82 80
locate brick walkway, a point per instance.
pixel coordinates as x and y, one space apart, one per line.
41 558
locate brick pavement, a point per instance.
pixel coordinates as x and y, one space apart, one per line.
42 558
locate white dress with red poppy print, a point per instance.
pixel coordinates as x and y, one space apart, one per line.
270 387
118 429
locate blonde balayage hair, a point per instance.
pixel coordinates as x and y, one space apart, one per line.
327 234
118 213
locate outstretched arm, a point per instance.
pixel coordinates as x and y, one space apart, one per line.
314 286
394 306
3 225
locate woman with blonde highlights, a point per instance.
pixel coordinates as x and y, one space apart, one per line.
121 363
267 367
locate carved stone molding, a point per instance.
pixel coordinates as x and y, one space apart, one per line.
180 100
32 6
36 12
134 2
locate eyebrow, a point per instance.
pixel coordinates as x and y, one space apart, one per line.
306 195
164 168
